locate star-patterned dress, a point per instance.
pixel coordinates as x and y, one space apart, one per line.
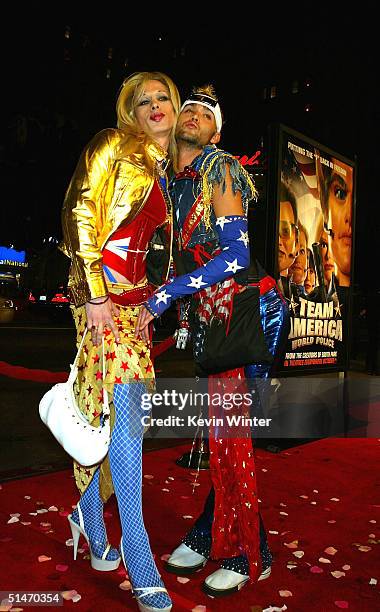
124 267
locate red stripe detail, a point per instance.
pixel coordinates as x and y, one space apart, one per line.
189 225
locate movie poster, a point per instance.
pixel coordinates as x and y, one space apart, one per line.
315 200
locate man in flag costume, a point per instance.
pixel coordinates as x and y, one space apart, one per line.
210 194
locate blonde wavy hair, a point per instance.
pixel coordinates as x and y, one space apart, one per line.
129 95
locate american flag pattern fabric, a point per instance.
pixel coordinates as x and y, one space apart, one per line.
233 257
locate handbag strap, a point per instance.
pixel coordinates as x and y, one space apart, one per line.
74 373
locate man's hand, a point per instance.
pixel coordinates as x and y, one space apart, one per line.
100 314
142 325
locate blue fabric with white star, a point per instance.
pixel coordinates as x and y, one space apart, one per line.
232 231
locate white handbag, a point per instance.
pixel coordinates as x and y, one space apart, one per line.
88 445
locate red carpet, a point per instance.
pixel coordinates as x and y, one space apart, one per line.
320 503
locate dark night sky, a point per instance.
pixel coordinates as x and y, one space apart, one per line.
240 51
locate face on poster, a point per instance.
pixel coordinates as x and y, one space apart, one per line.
314 254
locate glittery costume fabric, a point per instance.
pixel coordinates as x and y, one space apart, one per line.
228 509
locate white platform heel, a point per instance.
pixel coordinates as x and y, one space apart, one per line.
103 564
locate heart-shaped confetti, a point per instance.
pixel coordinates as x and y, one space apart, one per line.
16 514
373 581
284 514
365 548
299 554
323 560
43 558
341 604
332 521
316 570
165 557
199 608
27 497
338 574
53 509
335 499
285 593
165 490
125 585
148 476
187 516
330 550
71 595
25 522
182 579
61 568
293 544
14 519
346 567
273 532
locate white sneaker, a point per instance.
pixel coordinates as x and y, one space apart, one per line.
184 560
223 582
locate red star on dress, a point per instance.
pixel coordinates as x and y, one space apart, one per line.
107 332
96 358
136 376
118 321
96 414
100 397
130 352
149 368
117 380
124 366
98 375
142 353
112 355
85 348
89 389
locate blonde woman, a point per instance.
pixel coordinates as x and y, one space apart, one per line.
116 200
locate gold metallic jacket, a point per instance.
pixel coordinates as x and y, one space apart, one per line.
107 189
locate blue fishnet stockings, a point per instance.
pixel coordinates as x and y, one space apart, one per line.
92 509
125 454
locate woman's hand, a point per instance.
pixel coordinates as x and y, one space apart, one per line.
100 314
142 325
